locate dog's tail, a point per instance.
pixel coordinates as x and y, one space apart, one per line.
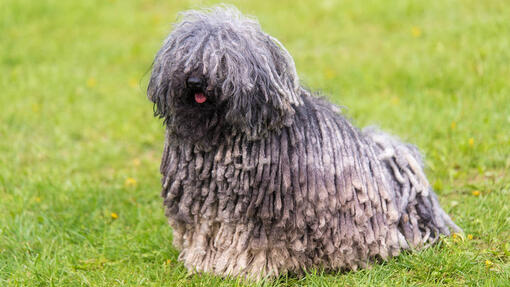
422 220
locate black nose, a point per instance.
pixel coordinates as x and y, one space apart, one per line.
194 82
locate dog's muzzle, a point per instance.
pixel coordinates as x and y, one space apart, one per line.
195 84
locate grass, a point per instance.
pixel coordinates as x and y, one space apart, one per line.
79 148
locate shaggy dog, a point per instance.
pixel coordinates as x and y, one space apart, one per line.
260 176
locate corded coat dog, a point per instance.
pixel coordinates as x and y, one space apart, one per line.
260 176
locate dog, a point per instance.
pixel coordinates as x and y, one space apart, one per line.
262 177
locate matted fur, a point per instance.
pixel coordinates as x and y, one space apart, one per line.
266 178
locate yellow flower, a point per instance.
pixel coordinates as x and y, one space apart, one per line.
130 182
35 108
457 236
488 263
453 125
91 82
168 261
37 199
475 192
329 73
395 100
133 83
471 142
469 236
114 215
416 31
136 162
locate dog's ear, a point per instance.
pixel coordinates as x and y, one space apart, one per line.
159 87
269 95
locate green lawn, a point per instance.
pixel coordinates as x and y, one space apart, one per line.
80 149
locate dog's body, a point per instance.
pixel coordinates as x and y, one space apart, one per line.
260 177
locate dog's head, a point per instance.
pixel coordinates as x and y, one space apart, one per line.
218 71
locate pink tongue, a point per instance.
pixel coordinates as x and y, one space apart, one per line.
200 98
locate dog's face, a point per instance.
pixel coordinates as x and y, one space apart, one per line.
192 107
219 72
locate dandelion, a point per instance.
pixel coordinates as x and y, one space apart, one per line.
91 82
488 263
35 108
37 199
130 182
416 31
114 215
453 125
475 192
329 73
471 142
469 236
168 261
133 83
